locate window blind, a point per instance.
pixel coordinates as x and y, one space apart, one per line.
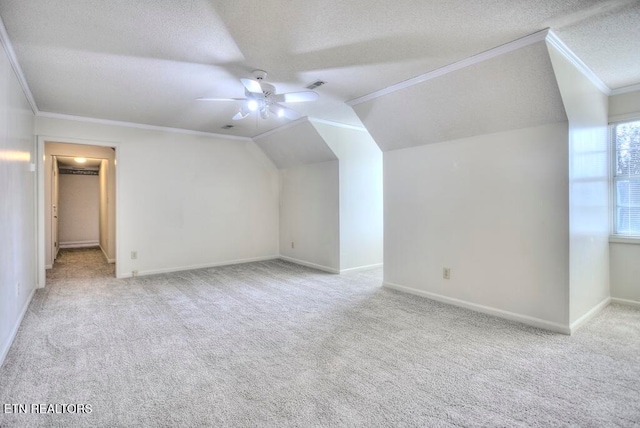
626 178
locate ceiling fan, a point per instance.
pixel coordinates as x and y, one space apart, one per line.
261 97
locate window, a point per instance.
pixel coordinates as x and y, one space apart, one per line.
626 178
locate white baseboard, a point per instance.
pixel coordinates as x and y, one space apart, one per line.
512 316
6 346
592 313
193 267
626 302
106 256
79 244
309 264
360 268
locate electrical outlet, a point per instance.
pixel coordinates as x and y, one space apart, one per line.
292 245
134 255
134 273
446 273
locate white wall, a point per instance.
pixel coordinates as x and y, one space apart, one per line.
310 215
79 209
492 208
185 200
103 217
361 198
56 148
625 258
586 108
17 209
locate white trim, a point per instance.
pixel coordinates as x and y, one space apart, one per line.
554 40
626 302
524 319
138 125
472 60
361 268
338 124
201 266
589 315
625 89
42 275
282 128
628 117
106 256
13 60
78 244
7 346
309 264
617 239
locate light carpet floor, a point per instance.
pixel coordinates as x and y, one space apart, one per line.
276 344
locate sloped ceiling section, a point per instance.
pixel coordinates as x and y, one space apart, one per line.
517 89
295 144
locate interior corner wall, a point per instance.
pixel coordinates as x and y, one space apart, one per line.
102 218
588 164
361 197
17 205
79 209
309 215
492 208
624 259
185 201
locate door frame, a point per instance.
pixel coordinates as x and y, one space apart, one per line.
40 197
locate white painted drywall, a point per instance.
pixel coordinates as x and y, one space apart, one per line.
103 219
56 148
586 108
625 258
79 209
514 90
17 209
492 208
297 143
625 271
310 214
185 200
625 105
361 200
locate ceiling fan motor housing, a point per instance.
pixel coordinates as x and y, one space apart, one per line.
259 74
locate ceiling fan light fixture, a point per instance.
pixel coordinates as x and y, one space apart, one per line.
252 105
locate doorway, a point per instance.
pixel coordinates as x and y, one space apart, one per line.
76 204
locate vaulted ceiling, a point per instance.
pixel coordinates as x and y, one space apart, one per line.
146 61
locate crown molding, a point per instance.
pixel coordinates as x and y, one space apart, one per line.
472 60
283 127
139 126
625 89
553 39
13 60
338 124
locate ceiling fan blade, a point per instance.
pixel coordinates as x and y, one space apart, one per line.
280 111
239 116
252 86
296 97
220 99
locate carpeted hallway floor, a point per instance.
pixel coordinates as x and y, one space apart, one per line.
276 344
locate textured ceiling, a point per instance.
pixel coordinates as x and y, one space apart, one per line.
146 61
515 90
296 144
